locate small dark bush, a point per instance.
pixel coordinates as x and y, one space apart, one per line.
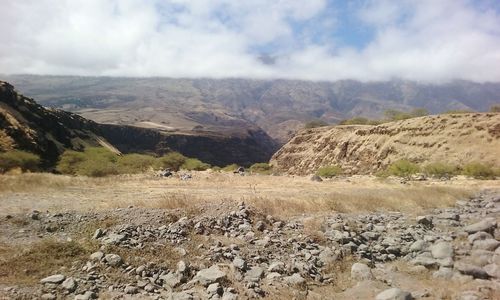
135 163
479 171
18 159
439 170
172 160
315 124
403 168
329 171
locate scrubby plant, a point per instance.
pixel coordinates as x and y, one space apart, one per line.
135 163
93 161
70 161
172 160
439 169
360 121
194 164
261 168
479 171
403 168
230 168
18 159
457 111
396 115
315 124
329 171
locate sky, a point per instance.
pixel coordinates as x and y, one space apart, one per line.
327 40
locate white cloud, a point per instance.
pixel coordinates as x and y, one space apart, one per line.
413 39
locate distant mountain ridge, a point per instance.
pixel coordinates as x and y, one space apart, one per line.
280 107
26 125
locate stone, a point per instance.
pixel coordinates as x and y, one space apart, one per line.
294 279
171 280
418 246
98 233
86 296
54 279
486 244
471 270
425 220
443 273
239 263
35 215
113 260
113 239
394 294
96 256
184 295
149 288
493 270
210 275
488 224
182 267
229 296
215 288
48 296
69 284
442 250
276 267
316 178
360 272
254 274
130 289
480 235
260 226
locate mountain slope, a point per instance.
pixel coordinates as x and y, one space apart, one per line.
26 125
280 107
455 139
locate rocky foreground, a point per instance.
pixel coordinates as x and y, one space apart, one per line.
216 253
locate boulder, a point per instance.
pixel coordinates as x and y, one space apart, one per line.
487 225
113 260
254 274
442 250
394 294
54 279
360 272
210 275
294 279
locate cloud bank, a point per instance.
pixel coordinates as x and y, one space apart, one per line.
425 40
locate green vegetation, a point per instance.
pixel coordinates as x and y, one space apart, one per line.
193 164
403 168
458 111
439 170
98 162
230 168
261 168
315 124
329 171
479 171
172 160
26 161
360 121
396 115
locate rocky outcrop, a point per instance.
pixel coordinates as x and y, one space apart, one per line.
26 125
450 138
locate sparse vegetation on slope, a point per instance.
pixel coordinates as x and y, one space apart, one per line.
261 168
329 171
18 159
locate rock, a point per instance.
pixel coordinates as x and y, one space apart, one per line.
97 234
54 279
210 275
443 273
229 296
442 250
316 178
113 239
276 267
360 272
130 289
149 288
113 260
182 267
48 296
35 215
171 280
493 270
260 226
96 256
471 270
254 274
394 294
486 244
215 288
239 263
418 246
487 225
69 284
86 296
480 235
425 220
295 279
184 295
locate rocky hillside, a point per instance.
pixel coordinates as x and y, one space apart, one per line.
280 107
450 138
26 125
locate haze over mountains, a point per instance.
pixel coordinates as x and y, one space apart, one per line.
231 106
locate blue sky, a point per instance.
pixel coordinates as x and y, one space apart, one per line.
425 40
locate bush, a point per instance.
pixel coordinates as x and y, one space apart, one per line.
261 168
70 161
172 160
94 161
315 124
458 111
396 115
96 168
135 163
439 170
329 171
479 171
403 168
18 159
360 121
193 164
230 168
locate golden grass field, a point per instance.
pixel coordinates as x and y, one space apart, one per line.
277 195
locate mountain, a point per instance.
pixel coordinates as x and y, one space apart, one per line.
225 106
26 125
449 138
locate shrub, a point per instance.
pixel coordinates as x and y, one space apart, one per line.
97 168
18 159
396 115
439 170
70 161
172 160
360 121
458 111
315 124
403 168
94 161
193 164
329 171
261 168
479 171
135 163
230 168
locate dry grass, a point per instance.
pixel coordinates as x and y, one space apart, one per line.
41 259
277 195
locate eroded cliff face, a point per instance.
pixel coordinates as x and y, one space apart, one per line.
360 149
26 125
